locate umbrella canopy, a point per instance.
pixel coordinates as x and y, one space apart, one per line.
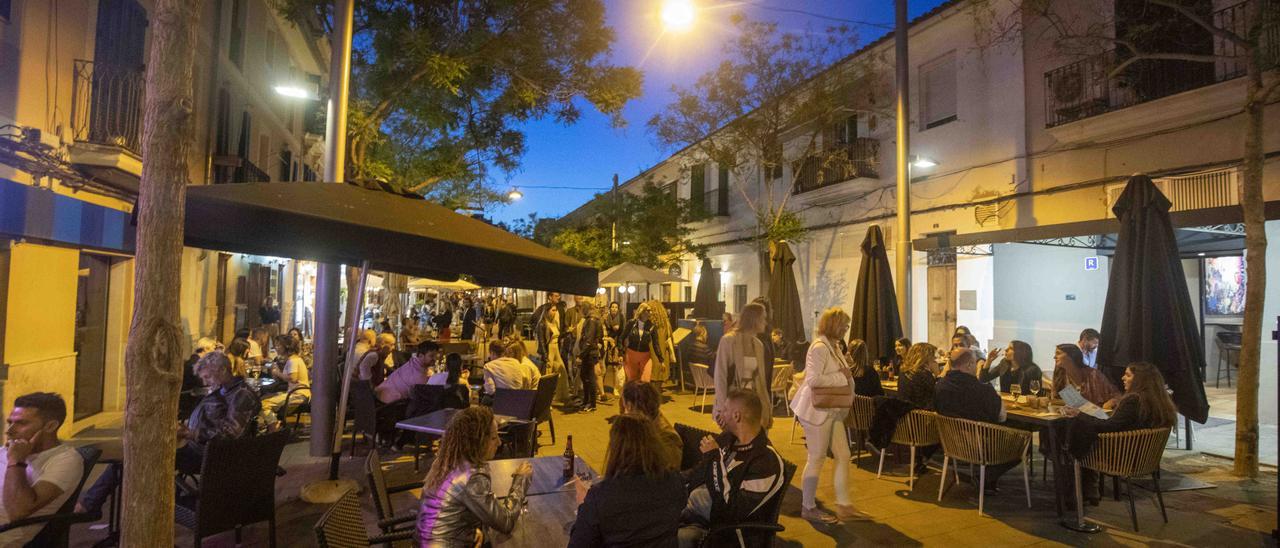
875 305
1148 314
344 223
456 285
706 300
784 297
631 273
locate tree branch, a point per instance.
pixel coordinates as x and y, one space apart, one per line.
1163 56
1206 25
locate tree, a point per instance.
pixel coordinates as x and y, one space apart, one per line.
440 88
778 99
1189 34
154 351
652 229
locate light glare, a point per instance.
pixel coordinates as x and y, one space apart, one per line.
677 15
515 195
292 91
922 162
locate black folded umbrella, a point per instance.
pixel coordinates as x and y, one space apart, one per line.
784 297
875 305
706 300
1148 314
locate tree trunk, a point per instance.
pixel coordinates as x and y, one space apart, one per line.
154 353
1255 242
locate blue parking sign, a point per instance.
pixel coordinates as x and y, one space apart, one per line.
1090 263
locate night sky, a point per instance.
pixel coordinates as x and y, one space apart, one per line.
587 154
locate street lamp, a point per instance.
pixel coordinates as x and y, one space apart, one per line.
295 91
677 15
922 162
515 194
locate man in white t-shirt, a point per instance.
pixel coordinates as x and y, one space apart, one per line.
40 472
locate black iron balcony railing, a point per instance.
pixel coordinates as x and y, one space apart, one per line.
106 105
1087 88
861 158
234 169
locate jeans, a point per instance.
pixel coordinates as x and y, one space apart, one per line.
188 460
819 438
587 371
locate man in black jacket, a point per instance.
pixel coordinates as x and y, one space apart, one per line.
739 477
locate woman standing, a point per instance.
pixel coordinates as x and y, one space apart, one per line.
824 427
639 340
613 321
457 496
1069 370
865 380
1016 367
554 361
740 361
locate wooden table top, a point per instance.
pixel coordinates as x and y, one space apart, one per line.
435 422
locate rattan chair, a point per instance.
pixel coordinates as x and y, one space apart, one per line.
701 381
859 420
1126 455
919 428
380 492
342 526
983 444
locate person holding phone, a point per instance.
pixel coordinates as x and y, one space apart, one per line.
39 470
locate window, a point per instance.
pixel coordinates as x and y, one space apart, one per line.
722 191
698 187
5 7
236 43
938 91
264 152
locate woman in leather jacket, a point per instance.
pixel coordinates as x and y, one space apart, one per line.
457 496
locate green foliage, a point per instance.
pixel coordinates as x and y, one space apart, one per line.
440 88
652 230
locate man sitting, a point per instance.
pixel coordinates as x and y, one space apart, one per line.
227 412
509 371
40 472
739 475
371 365
960 394
418 370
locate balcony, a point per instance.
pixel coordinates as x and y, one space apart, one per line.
1085 88
106 122
234 169
861 158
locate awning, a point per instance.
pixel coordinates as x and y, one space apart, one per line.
428 283
344 223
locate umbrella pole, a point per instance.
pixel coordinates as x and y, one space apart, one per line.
354 333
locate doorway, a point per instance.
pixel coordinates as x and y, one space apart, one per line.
942 296
90 344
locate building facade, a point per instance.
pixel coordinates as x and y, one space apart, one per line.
72 82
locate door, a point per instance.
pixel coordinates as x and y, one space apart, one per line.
740 295
942 303
90 342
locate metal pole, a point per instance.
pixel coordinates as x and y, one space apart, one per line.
353 332
324 373
902 251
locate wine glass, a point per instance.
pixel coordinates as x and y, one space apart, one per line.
1016 390
1035 386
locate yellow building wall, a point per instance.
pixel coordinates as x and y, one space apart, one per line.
40 324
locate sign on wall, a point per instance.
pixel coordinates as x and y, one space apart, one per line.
1090 263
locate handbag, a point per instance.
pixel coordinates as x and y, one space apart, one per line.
833 397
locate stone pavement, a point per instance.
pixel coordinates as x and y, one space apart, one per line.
1234 513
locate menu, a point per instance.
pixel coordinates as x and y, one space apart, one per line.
1074 398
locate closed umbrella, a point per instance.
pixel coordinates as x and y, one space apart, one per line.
706 301
1148 314
875 305
784 298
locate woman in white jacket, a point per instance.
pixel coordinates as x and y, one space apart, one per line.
824 427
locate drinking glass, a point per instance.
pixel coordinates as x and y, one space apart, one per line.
1035 387
1016 390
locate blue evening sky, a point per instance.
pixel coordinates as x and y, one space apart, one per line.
588 153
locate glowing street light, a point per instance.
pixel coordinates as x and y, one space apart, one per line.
677 15
515 194
295 91
922 162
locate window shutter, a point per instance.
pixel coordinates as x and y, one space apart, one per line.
939 90
722 191
698 187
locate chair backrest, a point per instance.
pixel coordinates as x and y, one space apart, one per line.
364 407
238 482
1127 454
701 376
918 428
690 437
546 392
860 414
56 533
1229 337
342 525
981 442
514 403
378 485
781 377
425 398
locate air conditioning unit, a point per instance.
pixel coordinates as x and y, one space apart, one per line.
1218 188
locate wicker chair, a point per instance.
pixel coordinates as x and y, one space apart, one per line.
237 487
342 526
919 428
983 444
388 520
701 381
1126 455
859 420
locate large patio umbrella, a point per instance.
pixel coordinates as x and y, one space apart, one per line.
875 305
428 283
1148 314
784 297
706 300
631 273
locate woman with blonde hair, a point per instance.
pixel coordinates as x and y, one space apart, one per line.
824 429
739 361
640 339
555 362
919 375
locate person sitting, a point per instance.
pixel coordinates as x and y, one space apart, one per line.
1069 370
781 348
295 375
1145 404
510 371
457 495
190 379
417 370
457 392
699 348
900 348
866 382
1088 345
739 474
919 374
961 394
609 512
238 353
371 366
641 398
229 411
1016 367
40 471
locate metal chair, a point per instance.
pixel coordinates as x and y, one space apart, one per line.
919 428
859 420
758 533
56 532
1228 343
388 520
1126 455
701 381
237 487
546 393
983 444
517 404
342 526
364 413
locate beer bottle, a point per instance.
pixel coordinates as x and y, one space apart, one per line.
568 458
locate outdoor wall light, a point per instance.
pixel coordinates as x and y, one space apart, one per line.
631 289
296 91
922 162
600 290
515 194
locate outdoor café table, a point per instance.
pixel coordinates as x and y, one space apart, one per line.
551 506
435 422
